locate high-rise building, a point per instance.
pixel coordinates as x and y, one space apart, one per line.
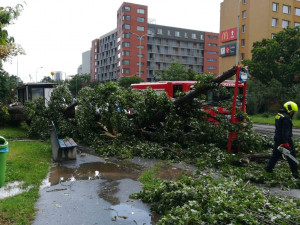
139 48
256 20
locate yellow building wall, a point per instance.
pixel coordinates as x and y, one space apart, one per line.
258 23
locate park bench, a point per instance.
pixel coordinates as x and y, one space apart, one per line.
62 149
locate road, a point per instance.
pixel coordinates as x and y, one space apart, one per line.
269 130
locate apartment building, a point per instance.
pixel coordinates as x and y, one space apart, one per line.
255 20
139 48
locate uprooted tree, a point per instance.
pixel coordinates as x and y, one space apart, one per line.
102 119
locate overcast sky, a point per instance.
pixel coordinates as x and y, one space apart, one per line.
55 33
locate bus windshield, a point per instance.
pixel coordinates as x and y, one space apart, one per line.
224 97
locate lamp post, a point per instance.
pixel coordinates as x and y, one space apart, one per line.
140 44
37 73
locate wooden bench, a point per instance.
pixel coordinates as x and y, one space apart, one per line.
62 149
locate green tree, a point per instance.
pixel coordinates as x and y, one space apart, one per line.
277 58
78 82
7 46
125 82
47 80
176 71
7 83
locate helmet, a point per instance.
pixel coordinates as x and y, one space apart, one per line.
290 106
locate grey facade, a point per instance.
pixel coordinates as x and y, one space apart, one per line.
170 44
106 59
86 62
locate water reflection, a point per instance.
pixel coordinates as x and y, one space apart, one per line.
12 189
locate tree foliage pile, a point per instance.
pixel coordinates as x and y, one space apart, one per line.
205 200
176 129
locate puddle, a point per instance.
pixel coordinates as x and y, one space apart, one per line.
12 189
171 173
124 212
93 170
108 191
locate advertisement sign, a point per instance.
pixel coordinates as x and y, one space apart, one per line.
244 74
228 35
227 50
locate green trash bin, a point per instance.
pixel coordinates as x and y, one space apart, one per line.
3 152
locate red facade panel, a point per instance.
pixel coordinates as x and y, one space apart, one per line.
211 53
94 58
132 25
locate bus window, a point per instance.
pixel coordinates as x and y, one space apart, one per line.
225 97
176 88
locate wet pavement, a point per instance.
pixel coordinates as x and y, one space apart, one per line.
94 190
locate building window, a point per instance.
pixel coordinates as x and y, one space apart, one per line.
169 33
140 55
177 34
297 24
202 37
118 48
126 35
126 17
139 64
95 43
211 67
242 56
141 11
243 28
95 56
126 44
272 35
159 31
126 8
126 26
212 53
141 19
119 63
212 45
119 55
297 11
125 70
151 31
95 50
286 9
274 22
243 42
244 14
244 2
125 62
127 53
140 46
211 60
185 35
140 28
212 37
275 7
194 36
285 23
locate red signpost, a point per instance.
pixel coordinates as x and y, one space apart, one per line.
241 76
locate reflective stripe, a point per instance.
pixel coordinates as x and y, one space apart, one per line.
278 116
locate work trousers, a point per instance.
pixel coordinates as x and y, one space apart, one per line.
276 155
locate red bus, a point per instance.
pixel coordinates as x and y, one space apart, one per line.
171 87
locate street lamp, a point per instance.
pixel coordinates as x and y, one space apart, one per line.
140 44
37 73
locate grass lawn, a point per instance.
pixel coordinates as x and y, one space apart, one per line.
270 119
26 161
13 132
